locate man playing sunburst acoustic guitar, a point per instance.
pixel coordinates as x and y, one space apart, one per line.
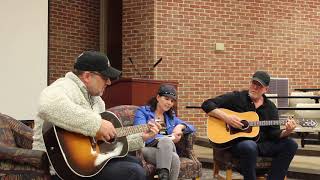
272 142
83 141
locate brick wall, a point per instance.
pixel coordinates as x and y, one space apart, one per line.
281 37
73 28
138 38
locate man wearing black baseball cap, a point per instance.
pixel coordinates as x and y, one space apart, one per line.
74 104
93 63
273 141
96 62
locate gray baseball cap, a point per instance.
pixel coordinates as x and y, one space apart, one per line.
262 77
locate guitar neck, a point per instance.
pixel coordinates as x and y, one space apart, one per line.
270 122
267 123
125 131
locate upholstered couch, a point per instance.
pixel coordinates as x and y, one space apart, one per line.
17 159
190 165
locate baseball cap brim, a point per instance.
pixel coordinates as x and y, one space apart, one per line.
259 81
111 73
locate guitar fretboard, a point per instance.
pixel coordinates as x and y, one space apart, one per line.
267 123
282 121
125 131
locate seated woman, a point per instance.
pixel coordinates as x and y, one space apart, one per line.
161 150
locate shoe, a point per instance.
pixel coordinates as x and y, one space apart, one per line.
163 174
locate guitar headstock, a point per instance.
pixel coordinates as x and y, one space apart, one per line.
308 123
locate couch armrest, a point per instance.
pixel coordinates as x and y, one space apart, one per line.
22 134
185 145
23 139
35 158
150 169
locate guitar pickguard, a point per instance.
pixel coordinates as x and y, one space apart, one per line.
103 157
236 130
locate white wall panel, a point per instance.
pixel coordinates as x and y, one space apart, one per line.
23 55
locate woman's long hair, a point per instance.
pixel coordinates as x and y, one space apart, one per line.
153 106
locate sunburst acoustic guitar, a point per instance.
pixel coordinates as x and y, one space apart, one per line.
223 136
75 156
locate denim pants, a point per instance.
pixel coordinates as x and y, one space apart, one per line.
126 168
281 151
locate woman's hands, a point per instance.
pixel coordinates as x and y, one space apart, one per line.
153 130
178 132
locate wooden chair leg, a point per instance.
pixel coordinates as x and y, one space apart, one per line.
229 174
265 178
216 169
216 175
261 178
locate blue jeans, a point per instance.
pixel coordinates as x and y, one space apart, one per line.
126 168
281 151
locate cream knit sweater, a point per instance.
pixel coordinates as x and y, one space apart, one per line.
67 104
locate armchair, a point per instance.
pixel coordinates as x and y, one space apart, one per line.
190 165
17 159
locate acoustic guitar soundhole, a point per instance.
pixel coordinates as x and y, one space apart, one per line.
244 128
245 125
